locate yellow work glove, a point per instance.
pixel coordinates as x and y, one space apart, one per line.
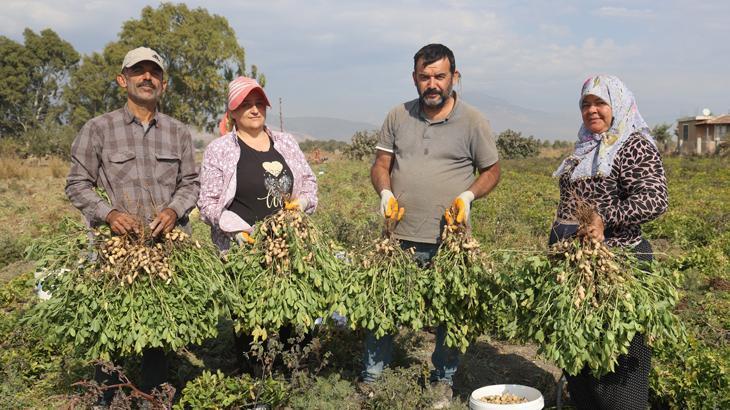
389 207
244 238
296 203
462 206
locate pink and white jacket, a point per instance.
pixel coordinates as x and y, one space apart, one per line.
218 183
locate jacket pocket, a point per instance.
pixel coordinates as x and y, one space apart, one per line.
166 168
122 167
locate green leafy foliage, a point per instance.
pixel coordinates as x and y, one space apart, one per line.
661 134
201 53
325 393
460 294
35 73
31 368
102 315
329 145
400 389
217 391
362 145
691 376
50 139
288 276
582 316
512 145
386 289
692 237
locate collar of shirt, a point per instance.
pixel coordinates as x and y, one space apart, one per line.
451 114
130 118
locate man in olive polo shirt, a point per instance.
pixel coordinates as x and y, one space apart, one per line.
428 151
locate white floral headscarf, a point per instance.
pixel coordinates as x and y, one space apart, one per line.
596 152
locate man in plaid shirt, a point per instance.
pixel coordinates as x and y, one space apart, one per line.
143 160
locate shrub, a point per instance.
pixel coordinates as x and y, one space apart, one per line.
328 145
215 391
51 140
512 145
691 377
362 146
325 393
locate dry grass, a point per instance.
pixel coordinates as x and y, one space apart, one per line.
12 167
555 153
31 197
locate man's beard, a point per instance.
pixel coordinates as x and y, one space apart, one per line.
440 102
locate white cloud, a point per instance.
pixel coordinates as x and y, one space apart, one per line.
353 59
555 30
622 12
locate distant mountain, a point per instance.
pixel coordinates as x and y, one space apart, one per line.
321 128
501 115
306 128
540 124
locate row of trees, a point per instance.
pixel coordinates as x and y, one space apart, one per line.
510 144
47 82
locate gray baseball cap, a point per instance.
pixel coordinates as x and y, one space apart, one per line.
142 54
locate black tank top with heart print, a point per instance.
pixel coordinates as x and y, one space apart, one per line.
263 181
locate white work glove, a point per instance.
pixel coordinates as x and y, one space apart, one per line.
388 203
462 207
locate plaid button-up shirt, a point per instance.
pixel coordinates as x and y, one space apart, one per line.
142 170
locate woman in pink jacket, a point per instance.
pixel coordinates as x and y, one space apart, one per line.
250 171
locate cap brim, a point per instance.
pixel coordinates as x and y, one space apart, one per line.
133 62
232 107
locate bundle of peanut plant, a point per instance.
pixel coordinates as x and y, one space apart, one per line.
386 288
460 294
583 304
288 275
136 291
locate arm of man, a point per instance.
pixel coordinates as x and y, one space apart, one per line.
484 152
186 190
380 171
486 181
82 179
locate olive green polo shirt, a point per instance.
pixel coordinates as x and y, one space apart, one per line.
433 162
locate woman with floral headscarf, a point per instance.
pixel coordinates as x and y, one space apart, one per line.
617 171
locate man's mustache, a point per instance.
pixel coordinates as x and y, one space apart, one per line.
432 91
146 83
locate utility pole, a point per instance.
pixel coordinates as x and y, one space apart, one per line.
281 117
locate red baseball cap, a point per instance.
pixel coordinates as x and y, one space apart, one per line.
241 87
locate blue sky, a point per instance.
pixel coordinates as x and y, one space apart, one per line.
353 60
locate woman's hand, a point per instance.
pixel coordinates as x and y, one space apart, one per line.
243 238
299 204
593 230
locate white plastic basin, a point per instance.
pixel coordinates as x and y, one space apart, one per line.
533 396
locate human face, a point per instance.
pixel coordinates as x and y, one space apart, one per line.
434 82
597 114
251 114
144 82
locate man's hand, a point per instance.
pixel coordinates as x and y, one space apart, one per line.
388 204
594 230
462 205
164 222
122 223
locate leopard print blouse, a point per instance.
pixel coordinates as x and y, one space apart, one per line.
635 192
